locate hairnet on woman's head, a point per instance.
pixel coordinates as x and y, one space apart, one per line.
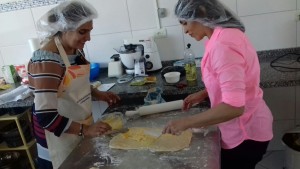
67 16
210 13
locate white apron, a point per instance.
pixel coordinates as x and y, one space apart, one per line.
74 102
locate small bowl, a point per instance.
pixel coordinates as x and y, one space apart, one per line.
173 69
172 77
115 120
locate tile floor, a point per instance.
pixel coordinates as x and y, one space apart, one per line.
272 160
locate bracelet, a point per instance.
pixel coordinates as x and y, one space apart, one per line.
81 131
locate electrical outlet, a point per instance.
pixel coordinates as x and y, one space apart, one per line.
160 33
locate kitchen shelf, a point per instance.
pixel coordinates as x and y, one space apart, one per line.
3 146
26 146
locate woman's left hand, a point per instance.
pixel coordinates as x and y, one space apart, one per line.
108 97
176 126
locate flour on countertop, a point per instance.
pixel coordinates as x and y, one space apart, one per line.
104 154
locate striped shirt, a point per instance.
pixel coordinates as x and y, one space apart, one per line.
45 72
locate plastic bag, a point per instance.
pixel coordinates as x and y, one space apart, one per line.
154 96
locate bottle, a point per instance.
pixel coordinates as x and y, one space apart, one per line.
115 66
190 65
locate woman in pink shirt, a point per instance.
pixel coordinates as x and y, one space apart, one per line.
231 73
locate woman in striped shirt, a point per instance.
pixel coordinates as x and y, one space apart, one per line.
59 77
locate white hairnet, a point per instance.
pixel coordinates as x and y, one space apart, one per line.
210 13
67 16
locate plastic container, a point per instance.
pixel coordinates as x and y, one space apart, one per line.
115 68
115 120
173 69
94 71
172 77
291 140
153 96
190 64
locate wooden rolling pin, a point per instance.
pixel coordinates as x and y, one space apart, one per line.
156 108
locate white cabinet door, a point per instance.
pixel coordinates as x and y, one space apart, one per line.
281 101
298 105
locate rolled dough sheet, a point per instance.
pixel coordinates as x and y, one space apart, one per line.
138 138
115 120
169 142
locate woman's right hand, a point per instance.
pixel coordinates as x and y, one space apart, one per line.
97 129
193 99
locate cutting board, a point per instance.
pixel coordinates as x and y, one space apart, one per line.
105 87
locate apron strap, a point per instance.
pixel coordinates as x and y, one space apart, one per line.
62 51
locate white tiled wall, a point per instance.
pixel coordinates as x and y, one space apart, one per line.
40 11
270 24
18 54
101 48
16 28
272 30
231 4
112 18
169 5
142 14
254 7
1 59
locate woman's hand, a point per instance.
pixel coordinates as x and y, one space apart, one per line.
108 97
97 129
176 126
194 98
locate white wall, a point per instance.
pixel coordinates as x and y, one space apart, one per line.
270 24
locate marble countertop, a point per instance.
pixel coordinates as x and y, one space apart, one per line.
96 152
270 78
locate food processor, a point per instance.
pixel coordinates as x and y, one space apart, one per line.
129 54
132 51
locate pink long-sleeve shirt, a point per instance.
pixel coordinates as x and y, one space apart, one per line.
231 74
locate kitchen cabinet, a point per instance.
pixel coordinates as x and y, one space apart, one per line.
282 103
298 105
27 146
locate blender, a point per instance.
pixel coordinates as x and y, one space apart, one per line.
149 52
129 55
